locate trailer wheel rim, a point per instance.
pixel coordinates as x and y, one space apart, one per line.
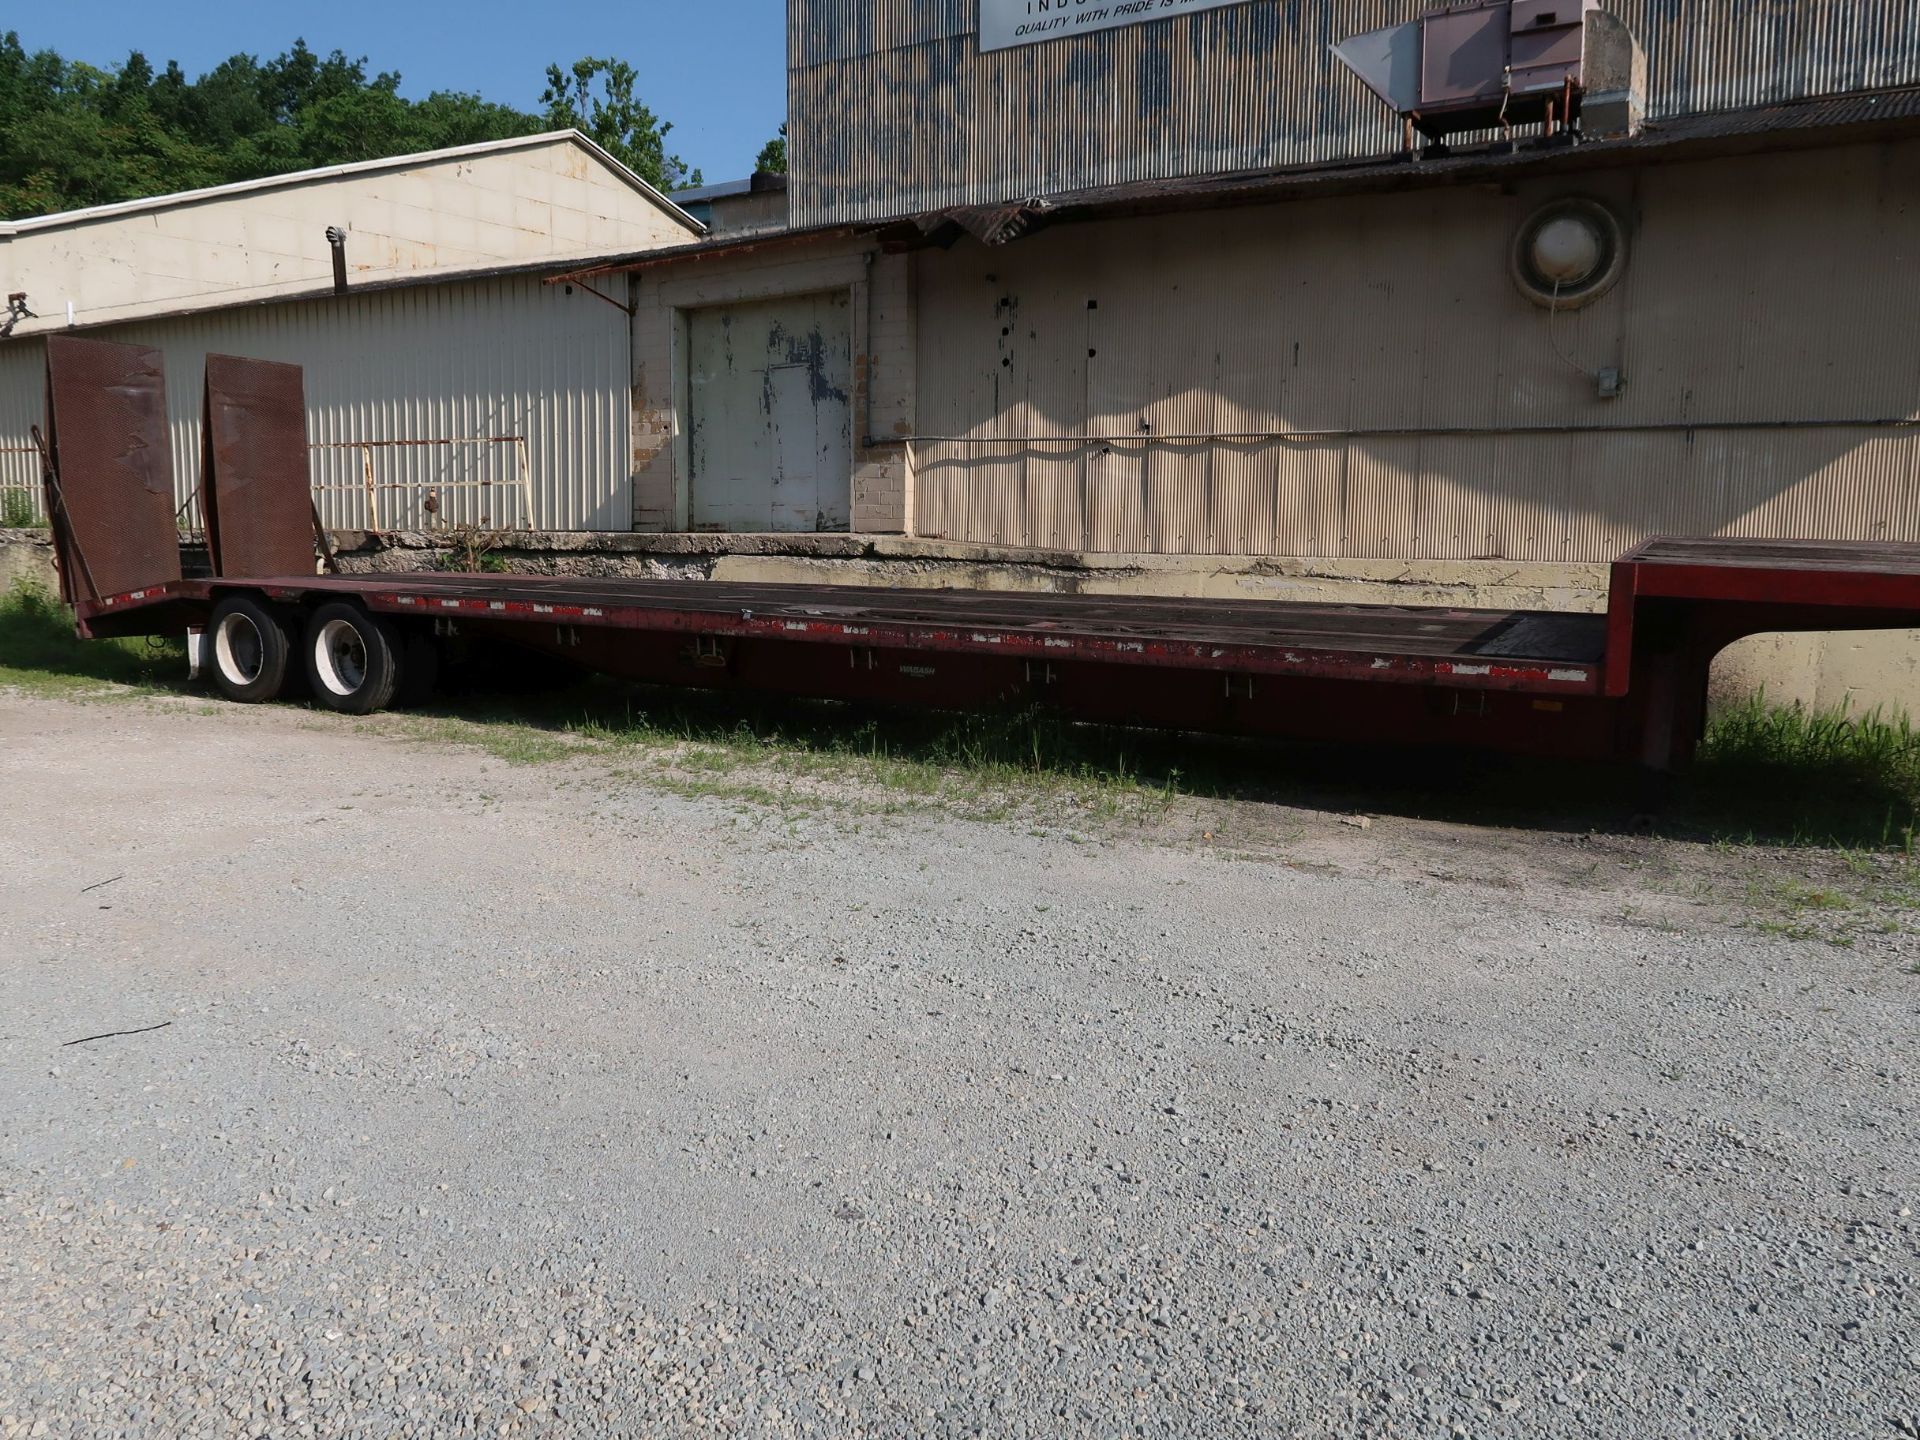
238 649
340 657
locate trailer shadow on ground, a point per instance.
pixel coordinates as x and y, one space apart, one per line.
1767 775
1764 778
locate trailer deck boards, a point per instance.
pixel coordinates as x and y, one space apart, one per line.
1480 649
1872 557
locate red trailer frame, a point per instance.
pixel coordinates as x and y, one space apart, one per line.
1629 684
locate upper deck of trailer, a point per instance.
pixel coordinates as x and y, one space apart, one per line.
1882 574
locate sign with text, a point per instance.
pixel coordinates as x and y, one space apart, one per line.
1029 22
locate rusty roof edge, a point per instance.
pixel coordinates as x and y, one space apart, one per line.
1823 120
902 230
1805 124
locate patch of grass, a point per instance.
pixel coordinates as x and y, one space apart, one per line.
18 511
1835 898
1821 777
1764 777
516 744
40 652
784 753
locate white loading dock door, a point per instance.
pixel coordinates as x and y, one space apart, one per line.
769 426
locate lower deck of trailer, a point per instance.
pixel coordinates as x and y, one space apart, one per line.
1627 683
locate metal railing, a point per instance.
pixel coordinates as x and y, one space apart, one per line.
354 496
426 484
22 502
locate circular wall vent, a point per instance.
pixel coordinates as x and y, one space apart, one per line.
1568 253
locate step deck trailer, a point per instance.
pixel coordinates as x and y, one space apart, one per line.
1629 684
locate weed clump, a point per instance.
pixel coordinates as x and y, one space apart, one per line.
39 650
19 512
1839 776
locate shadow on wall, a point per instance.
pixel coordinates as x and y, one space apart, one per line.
1388 392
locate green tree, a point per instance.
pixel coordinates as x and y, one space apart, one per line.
596 98
773 155
73 135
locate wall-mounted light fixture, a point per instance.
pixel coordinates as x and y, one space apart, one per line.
1568 253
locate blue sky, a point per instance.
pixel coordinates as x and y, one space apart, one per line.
715 68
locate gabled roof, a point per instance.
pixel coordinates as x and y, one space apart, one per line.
297 178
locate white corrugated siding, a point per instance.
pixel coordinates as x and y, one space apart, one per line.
21 383
465 361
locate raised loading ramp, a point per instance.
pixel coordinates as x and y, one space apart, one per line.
255 486
109 474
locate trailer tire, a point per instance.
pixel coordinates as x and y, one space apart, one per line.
248 650
353 658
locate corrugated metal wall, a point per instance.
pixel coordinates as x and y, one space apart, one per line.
463 361
893 109
1769 290
22 369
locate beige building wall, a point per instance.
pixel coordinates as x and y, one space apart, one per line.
1858 671
505 398
1360 378
551 197
1348 398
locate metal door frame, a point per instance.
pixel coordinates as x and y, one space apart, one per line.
683 388
788 281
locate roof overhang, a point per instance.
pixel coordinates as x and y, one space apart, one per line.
1807 124
146 204
893 234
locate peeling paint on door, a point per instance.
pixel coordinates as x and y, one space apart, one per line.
769 426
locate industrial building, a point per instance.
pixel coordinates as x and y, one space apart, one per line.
1185 304
441 372
1065 328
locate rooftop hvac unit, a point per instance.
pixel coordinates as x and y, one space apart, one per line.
1496 64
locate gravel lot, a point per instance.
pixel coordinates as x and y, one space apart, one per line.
532 1100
